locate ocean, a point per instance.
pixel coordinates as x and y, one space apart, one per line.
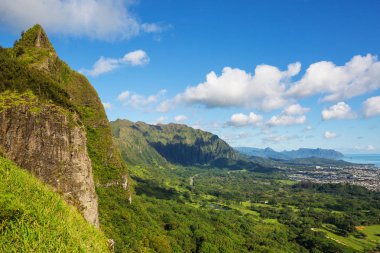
363 158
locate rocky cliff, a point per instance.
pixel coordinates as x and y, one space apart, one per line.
53 123
50 142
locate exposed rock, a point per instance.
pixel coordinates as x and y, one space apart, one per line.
50 142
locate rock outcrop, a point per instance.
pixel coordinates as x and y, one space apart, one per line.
50 142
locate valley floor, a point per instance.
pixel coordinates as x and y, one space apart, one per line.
200 209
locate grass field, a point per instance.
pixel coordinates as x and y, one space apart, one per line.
372 239
373 233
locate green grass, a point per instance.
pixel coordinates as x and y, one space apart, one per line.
35 219
353 242
373 233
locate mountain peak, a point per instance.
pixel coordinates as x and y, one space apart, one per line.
35 37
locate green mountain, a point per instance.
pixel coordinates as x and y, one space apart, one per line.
133 146
178 144
53 124
292 154
35 219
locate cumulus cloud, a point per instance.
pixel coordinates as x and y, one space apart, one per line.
135 58
263 89
180 118
296 109
371 107
358 76
269 88
242 120
286 120
97 19
329 135
105 65
138 101
339 111
107 105
291 115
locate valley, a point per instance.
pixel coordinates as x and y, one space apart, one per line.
261 201
267 198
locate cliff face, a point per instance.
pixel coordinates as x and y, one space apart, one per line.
50 142
54 124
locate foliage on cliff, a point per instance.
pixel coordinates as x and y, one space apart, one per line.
178 144
33 67
35 219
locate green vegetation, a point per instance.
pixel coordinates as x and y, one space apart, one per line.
365 239
35 219
204 208
32 67
161 144
239 211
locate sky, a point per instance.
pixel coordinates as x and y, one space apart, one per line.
283 74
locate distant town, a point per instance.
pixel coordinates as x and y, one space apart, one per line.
367 176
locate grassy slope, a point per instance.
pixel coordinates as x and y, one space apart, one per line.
35 219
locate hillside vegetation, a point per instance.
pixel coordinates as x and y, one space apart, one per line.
141 143
33 67
35 219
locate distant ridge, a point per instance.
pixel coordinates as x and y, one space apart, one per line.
166 144
293 154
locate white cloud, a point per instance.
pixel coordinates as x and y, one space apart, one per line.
154 28
371 107
165 106
358 76
105 65
138 101
291 115
97 19
180 118
135 58
286 120
124 95
269 88
107 105
242 120
236 88
308 128
160 120
339 111
296 109
277 138
329 135
365 148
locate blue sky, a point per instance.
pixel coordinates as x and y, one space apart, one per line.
284 74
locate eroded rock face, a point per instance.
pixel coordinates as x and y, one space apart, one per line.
50 142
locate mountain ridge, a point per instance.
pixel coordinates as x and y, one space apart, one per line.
292 154
173 143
